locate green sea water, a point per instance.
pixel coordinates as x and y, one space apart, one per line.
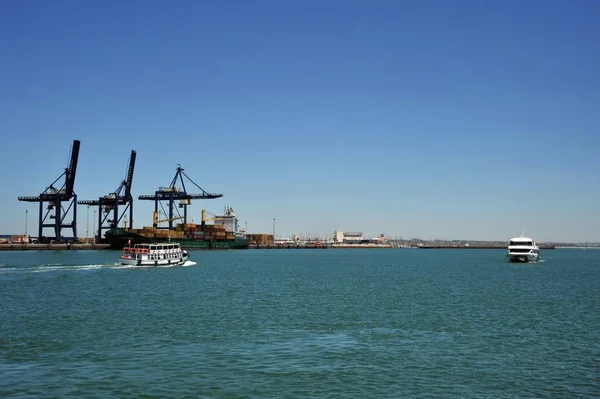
397 323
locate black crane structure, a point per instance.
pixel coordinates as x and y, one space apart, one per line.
174 193
57 199
108 205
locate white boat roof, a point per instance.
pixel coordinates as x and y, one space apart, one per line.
521 239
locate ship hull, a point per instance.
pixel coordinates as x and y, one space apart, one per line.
154 263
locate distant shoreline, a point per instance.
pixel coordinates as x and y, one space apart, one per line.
79 247
575 247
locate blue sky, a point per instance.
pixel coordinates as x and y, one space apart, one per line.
433 119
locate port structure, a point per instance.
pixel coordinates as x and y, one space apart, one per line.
57 199
108 205
174 193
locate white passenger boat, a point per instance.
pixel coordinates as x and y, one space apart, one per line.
150 255
522 249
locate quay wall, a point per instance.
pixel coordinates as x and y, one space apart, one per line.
360 246
51 247
285 246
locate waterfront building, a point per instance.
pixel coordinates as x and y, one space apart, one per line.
340 237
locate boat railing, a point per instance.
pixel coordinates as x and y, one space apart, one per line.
134 250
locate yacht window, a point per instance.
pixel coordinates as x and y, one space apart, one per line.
521 250
528 243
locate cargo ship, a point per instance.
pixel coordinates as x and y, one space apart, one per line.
221 234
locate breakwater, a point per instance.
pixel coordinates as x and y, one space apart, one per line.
316 246
477 246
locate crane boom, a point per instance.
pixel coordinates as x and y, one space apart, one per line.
156 221
129 180
72 170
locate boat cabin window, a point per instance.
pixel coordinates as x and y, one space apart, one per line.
528 243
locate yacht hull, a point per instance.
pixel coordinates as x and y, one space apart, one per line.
522 258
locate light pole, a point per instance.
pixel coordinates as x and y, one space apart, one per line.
26 223
87 225
94 228
273 228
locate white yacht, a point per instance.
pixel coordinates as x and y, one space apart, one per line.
149 255
522 249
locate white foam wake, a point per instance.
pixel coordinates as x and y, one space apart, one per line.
58 267
54 267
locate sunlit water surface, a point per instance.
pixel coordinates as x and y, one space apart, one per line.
301 323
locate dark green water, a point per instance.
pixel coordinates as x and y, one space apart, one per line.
301 324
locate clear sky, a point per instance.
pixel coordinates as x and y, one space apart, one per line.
414 118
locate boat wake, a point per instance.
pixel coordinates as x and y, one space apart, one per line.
57 267
188 263
528 263
15 269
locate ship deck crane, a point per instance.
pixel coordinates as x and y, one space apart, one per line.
174 193
108 205
56 199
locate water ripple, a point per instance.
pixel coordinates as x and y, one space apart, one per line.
291 324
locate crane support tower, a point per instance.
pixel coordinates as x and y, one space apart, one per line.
61 203
174 193
108 205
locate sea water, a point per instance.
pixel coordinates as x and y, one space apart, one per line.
335 323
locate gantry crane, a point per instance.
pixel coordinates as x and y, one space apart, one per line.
56 198
174 193
108 205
